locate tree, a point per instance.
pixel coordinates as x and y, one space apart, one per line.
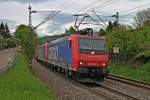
7 28
141 17
102 31
2 28
71 30
27 39
109 27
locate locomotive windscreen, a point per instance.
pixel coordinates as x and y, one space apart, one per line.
89 45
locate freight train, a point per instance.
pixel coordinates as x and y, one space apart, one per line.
82 56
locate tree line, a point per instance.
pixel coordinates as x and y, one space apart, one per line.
133 41
6 40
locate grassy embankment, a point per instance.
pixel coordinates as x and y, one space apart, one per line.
127 71
20 84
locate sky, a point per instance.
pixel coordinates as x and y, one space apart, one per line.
15 12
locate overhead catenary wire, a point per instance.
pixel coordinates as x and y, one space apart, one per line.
99 18
127 11
93 3
95 20
104 13
70 4
110 4
96 15
103 3
46 19
60 7
66 4
87 6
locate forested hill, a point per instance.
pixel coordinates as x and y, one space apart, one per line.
42 40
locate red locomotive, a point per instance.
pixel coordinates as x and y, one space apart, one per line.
81 55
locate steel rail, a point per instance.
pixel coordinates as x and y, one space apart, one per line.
130 81
9 65
119 93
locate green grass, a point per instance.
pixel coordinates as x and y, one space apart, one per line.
127 71
20 84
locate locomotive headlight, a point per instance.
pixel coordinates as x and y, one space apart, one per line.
81 63
103 64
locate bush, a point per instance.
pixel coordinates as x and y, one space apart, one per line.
8 43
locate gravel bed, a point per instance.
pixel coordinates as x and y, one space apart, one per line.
137 92
63 89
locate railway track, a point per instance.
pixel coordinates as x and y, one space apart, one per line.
11 62
96 89
128 97
130 82
80 85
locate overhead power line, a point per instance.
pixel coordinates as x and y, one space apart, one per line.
47 18
99 18
100 12
147 4
104 4
67 4
89 5
95 20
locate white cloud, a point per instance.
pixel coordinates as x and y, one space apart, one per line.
17 10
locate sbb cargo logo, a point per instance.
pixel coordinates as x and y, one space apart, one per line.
53 53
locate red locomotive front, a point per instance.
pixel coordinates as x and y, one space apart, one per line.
90 57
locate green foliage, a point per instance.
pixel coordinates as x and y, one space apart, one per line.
70 31
143 54
8 43
141 17
109 27
4 30
102 32
27 39
127 71
6 40
124 40
20 84
131 43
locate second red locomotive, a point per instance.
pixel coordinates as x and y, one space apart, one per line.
84 57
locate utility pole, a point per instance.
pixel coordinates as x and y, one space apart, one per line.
116 23
30 18
53 13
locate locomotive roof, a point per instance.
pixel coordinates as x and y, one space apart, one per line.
86 37
79 36
59 39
